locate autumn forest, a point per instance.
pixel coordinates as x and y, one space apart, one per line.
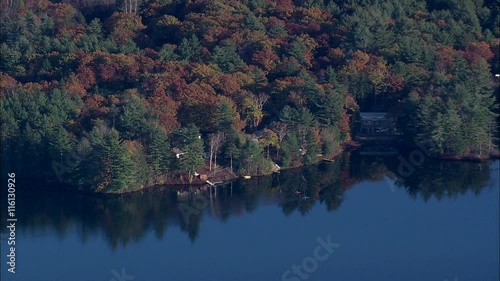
111 96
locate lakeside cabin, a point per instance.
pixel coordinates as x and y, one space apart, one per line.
376 123
377 131
376 126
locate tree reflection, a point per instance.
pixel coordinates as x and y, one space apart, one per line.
446 179
130 217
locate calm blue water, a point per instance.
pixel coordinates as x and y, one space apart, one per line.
382 230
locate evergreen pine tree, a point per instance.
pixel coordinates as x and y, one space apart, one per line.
226 57
159 153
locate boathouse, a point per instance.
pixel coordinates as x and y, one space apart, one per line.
376 124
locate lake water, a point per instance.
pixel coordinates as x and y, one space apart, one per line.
360 218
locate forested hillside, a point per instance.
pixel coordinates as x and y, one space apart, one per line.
115 95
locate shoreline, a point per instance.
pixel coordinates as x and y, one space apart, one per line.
471 157
347 147
223 176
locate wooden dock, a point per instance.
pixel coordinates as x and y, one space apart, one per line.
213 183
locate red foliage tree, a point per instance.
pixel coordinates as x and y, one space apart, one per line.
477 50
266 59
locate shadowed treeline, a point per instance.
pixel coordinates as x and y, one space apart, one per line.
120 219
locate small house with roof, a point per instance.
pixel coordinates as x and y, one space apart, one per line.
376 124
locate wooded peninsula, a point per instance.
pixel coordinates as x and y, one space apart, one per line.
116 95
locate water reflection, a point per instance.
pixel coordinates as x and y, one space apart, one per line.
121 219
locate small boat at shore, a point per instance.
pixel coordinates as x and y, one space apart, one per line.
247 177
